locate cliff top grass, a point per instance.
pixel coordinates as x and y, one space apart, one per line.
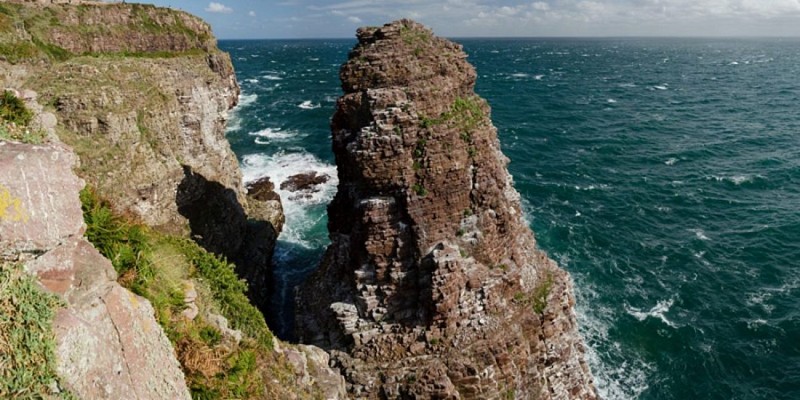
161 268
34 33
27 344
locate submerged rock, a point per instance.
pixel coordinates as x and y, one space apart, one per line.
306 181
432 286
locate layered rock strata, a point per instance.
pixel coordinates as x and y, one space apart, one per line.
433 286
147 118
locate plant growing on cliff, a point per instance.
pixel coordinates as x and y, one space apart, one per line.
27 344
540 293
13 109
157 266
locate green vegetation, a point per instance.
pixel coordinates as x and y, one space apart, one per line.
415 36
160 267
419 190
14 120
540 293
27 345
465 113
537 298
12 109
26 33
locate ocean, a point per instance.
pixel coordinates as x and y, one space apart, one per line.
663 174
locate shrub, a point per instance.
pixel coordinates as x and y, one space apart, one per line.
13 109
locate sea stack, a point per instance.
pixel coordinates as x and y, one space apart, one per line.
433 286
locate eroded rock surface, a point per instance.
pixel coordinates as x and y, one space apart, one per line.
433 286
147 119
108 343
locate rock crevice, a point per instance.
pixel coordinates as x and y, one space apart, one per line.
433 286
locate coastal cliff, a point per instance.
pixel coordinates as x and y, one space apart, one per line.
142 95
433 286
123 288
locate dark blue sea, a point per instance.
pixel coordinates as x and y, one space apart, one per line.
664 174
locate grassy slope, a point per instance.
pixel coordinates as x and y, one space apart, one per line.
160 268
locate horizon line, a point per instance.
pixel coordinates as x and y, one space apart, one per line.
796 37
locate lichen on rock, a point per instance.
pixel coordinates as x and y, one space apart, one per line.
433 286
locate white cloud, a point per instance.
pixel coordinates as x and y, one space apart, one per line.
218 8
252 13
566 17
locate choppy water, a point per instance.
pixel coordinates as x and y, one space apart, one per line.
663 174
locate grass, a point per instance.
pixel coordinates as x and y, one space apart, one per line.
537 298
27 344
466 113
15 133
540 293
419 190
158 267
14 120
41 24
13 109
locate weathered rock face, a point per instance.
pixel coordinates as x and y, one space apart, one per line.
433 286
150 129
108 343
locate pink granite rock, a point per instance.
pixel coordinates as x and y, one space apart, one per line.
39 206
108 343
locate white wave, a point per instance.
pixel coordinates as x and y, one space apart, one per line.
699 233
251 80
247 99
658 311
272 77
538 77
611 101
296 206
619 373
735 179
671 161
494 52
627 85
660 87
308 105
273 134
520 75
733 63
234 123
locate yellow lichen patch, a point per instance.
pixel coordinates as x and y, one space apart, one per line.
11 207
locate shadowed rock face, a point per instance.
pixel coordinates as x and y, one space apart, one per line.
433 286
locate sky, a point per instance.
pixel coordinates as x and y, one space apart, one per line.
259 19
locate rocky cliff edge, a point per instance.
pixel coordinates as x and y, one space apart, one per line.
142 95
433 286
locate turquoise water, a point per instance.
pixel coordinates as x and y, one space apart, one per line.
663 174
